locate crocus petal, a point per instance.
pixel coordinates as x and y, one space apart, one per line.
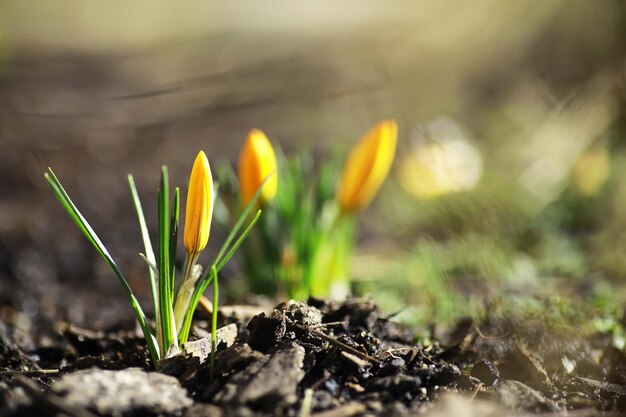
256 162
199 209
367 167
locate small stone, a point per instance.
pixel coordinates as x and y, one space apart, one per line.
304 314
130 391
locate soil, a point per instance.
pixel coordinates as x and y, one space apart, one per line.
312 359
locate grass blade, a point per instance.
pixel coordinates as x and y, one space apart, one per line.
173 239
145 236
238 242
165 296
216 297
93 238
240 221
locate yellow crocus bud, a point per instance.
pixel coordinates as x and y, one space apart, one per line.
199 209
256 162
367 167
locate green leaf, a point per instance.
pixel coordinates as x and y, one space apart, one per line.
93 238
145 236
239 241
165 296
216 298
173 239
240 221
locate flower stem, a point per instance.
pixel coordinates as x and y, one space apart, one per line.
214 325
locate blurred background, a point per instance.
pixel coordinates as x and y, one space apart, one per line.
509 187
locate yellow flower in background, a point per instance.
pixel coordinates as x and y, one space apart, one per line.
256 162
445 162
591 171
367 167
199 209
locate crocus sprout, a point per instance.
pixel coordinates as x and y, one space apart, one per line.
367 167
174 301
256 163
198 214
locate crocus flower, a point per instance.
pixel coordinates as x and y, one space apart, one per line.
367 167
256 162
199 209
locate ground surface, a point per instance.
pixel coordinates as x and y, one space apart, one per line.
319 359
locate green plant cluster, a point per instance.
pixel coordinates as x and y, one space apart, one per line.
301 244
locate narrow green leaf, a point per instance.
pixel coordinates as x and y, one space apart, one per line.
173 240
165 304
216 298
93 238
145 236
240 221
239 241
